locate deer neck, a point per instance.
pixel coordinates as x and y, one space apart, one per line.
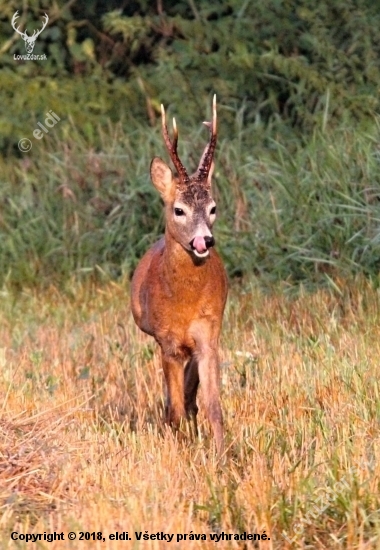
180 267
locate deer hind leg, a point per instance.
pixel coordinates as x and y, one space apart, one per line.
191 388
175 395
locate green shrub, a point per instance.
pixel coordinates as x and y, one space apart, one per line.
278 59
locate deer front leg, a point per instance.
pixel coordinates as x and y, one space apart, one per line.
175 396
209 378
206 339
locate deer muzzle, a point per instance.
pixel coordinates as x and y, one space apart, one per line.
200 245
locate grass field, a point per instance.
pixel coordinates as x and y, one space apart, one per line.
83 447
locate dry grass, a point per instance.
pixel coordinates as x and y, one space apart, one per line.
83 446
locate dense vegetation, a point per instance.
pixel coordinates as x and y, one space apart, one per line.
297 162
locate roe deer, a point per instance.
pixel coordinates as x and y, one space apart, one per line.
179 288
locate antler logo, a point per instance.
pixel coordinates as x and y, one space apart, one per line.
29 40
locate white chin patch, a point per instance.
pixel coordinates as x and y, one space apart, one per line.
201 254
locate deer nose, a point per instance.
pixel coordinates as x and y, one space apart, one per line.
202 244
210 241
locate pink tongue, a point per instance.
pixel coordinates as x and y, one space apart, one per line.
199 244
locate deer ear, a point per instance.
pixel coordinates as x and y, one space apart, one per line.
162 177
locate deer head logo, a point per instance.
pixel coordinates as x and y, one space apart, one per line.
29 40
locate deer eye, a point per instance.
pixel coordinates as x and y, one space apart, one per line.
179 212
213 210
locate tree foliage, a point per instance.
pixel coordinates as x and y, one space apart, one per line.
280 58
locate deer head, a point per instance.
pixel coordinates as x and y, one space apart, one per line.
29 40
190 208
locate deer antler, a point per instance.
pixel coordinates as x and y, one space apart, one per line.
24 34
208 154
172 147
36 33
16 16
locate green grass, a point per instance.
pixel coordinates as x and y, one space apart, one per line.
290 208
